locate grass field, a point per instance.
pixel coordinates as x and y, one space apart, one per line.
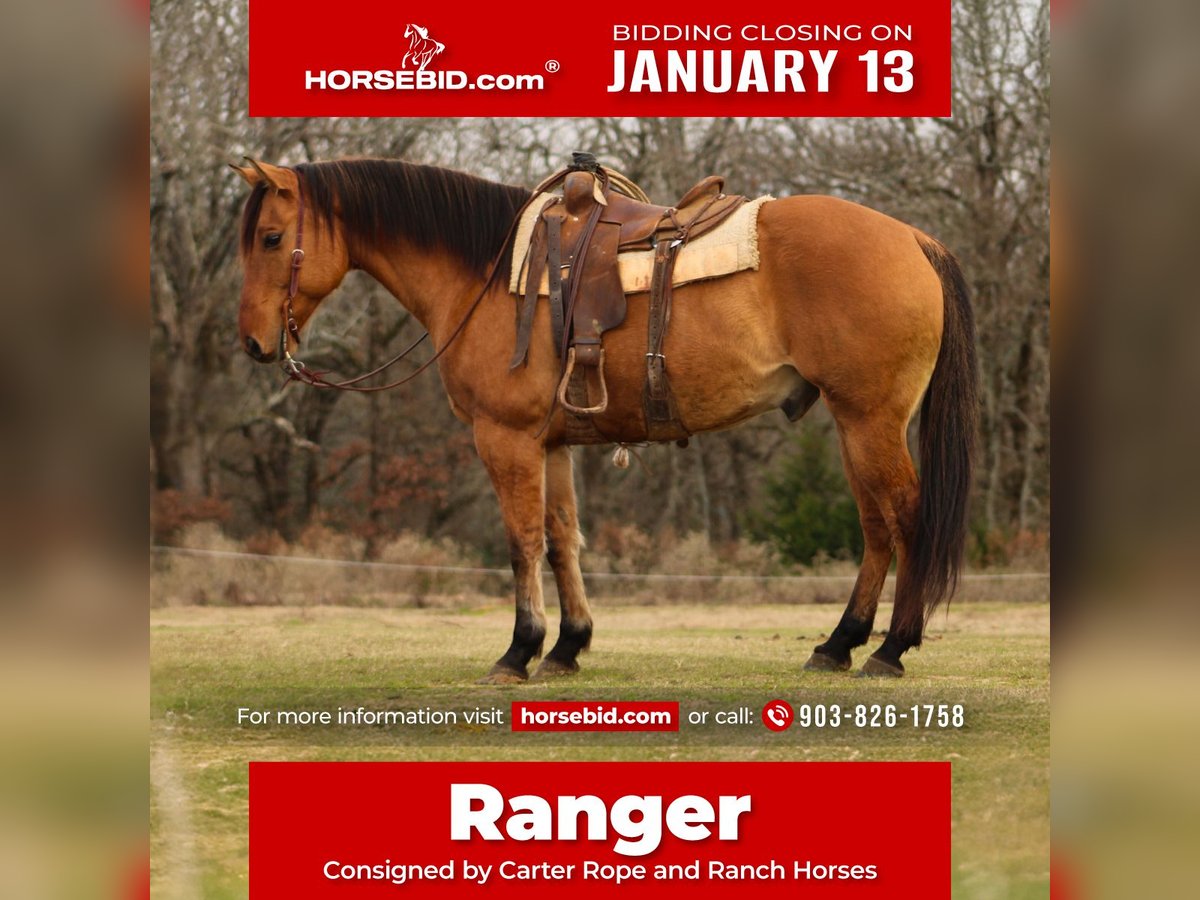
992 658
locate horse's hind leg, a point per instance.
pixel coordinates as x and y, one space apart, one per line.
517 464
562 550
854 629
877 453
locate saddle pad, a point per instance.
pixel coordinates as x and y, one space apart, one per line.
730 247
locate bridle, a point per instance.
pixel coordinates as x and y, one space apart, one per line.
289 319
295 370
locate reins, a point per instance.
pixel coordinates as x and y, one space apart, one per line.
295 370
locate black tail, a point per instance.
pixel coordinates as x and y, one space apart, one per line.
949 421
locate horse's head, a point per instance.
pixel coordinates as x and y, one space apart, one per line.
268 249
410 30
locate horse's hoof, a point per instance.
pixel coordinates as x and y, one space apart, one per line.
503 675
875 667
553 668
822 662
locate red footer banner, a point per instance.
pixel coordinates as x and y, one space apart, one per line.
640 829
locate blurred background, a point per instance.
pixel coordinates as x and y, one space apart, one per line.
74 243
1126 696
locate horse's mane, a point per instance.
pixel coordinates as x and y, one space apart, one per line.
378 200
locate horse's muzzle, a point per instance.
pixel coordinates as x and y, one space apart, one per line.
256 352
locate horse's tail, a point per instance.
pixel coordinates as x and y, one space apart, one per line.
949 419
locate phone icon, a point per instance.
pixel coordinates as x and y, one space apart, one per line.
777 715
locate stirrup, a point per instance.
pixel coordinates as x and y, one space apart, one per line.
566 379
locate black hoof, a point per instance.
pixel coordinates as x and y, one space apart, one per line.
504 674
821 662
554 668
875 667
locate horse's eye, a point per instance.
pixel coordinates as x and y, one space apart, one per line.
271 241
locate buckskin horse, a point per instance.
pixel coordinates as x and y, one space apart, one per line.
847 304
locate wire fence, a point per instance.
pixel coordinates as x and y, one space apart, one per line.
181 575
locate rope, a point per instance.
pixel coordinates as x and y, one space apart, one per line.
626 186
600 576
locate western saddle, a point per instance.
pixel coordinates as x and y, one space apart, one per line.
575 243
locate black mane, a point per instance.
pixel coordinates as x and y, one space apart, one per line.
384 199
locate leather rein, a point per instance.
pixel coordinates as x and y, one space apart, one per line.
295 370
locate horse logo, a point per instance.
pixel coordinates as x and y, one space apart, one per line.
421 47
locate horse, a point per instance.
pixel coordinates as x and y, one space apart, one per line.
421 49
847 305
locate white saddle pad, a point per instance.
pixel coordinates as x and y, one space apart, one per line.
730 247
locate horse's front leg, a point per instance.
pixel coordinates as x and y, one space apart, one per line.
517 464
562 533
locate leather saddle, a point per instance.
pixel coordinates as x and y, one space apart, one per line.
575 243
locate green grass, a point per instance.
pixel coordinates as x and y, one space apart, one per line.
992 658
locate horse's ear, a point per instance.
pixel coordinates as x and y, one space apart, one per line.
248 174
257 173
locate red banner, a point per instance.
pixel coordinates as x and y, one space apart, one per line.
594 715
379 58
843 830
